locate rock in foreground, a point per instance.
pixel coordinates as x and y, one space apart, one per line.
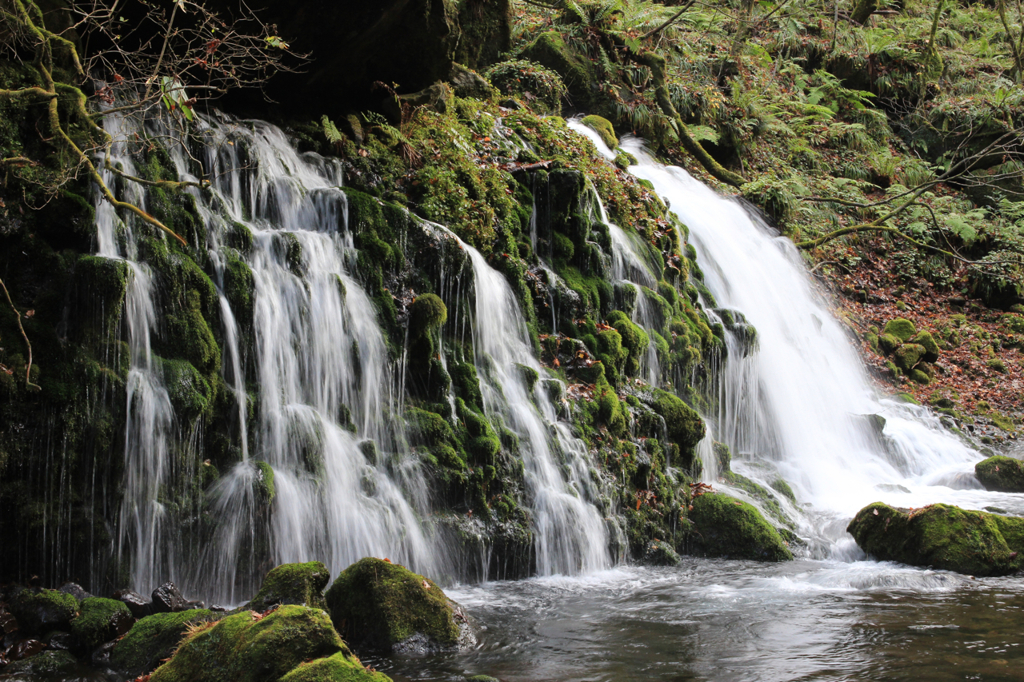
723 526
1001 473
290 641
301 584
383 606
941 536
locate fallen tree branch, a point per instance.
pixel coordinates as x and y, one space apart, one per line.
28 367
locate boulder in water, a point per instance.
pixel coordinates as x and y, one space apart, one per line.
941 536
384 606
153 639
136 603
723 526
167 598
40 611
1001 473
101 620
250 647
301 584
342 666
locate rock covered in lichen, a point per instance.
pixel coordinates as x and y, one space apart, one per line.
301 584
723 526
1001 473
941 536
384 606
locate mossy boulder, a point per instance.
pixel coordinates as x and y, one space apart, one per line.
48 665
723 526
153 639
901 328
927 341
549 49
384 606
341 667
908 355
301 584
248 647
1001 473
101 620
602 127
941 536
888 343
39 612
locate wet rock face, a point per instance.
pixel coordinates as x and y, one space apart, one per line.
723 526
136 603
941 536
382 606
168 598
40 611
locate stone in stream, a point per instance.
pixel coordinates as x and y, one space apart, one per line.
1001 473
301 584
722 526
292 643
383 606
941 536
136 603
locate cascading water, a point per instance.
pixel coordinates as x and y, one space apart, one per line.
321 367
570 535
797 406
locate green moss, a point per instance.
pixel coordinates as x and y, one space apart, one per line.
48 665
726 527
602 127
908 355
153 639
939 536
1001 473
43 611
634 340
247 648
301 584
380 604
265 482
901 328
926 341
685 427
430 427
781 486
466 384
100 620
996 364
609 408
341 667
426 314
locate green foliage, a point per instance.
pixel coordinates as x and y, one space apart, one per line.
541 87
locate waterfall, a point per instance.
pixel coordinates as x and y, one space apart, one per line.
570 535
797 406
344 486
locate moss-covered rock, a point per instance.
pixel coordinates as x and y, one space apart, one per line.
247 647
301 584
101 620
941 536
341 667
723 526
602 127
684 425
48 665
888 343
384 606
427 312
153 639
908 355
901 328
1001 473
39 612
927 341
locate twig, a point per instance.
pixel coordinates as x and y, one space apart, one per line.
28 367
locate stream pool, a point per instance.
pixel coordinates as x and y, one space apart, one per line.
734 620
